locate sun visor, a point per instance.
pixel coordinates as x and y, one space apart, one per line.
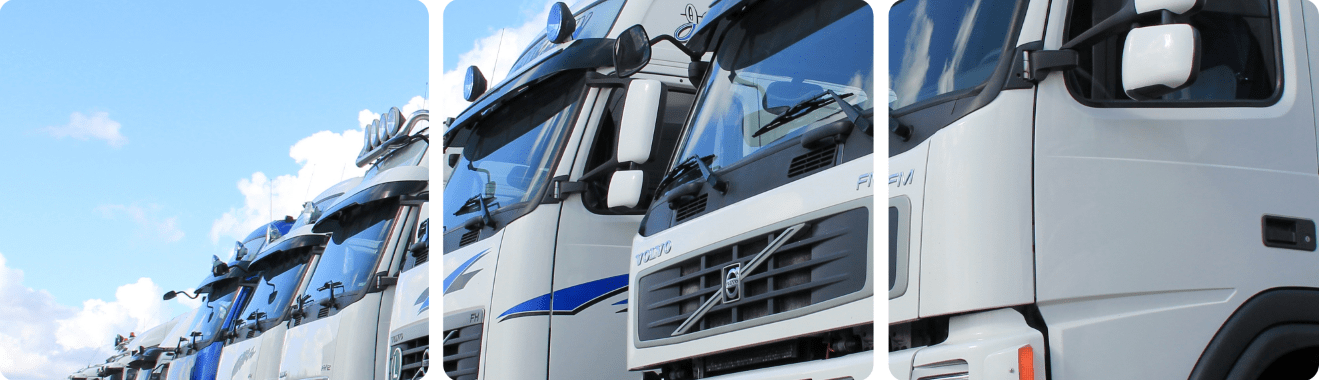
146 359
400 181
290 243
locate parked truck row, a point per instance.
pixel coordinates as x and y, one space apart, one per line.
339 292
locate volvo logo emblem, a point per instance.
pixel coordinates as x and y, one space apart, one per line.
732 282
395 364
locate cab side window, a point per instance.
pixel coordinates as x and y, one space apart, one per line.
1239 62
677 103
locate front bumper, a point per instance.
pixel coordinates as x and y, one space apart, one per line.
853 367
983 345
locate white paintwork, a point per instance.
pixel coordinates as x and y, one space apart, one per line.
1174 6
625 188
1147 220
789 204
641 107
1158 55
988 341
976 247
909 168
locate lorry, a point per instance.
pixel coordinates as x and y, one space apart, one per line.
257 336
1103 189
227 288
534 264
753 262
339 323
409 321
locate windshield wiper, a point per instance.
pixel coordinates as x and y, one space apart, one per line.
800 109
693 162
477 202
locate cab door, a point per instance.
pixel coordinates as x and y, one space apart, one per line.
588 311
1148 213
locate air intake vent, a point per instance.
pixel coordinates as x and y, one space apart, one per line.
824 261
693 208
469 237
325 311
462 352
817 158
415 361
422 257
251 333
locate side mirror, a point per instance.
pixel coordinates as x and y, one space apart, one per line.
640 117
631 51
561 24
170 295
1158 60
473 84
625 188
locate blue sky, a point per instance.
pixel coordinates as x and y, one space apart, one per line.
142 137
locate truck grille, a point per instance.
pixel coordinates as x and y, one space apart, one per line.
825 260
462 352
415 360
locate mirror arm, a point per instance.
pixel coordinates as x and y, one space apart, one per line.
664 37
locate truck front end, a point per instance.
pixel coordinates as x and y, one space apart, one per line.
754 261
340 320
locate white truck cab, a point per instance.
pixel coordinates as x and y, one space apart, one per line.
340 322
535 252
754 260
1112 189
226 290
281 267
409 323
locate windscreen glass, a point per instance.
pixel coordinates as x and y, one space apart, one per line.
357 239
774 61
509 156
276 282
939 47
211 314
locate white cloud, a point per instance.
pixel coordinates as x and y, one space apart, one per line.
483 55
41 339
325 158
149 225
82 127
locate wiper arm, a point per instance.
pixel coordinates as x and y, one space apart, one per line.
800 109
477 202
853 113
693 162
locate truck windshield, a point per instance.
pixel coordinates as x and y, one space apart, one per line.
356 242
278 279
509 156
212 313
771 59
941 47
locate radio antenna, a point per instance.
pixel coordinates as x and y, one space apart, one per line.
309 182
498 49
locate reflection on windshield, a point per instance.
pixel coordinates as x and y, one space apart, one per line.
511 153
279 278
212 313
350 256
937 47
777 57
